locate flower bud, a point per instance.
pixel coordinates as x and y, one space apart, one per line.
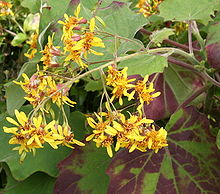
83 21
77 28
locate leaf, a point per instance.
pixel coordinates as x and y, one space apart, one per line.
77 122
213 45
93 86
218 140
160 35
82 170
120 20
16 101
54 11
165 104
33 5
182 82
144 64
31 23
45 160
178 10
14 97
35 184
213 34
189 164
18 39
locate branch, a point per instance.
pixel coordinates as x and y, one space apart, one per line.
171 42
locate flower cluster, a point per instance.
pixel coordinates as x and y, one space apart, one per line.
41 86
33 133
121 85
134 133
33 46
148 7
79 38
5 8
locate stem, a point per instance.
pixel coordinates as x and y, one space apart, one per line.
192 97
171 42
10 32
190 38
216 83
19 26
83 75
182 64
197 34
122 38
192 59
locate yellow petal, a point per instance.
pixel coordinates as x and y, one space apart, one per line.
109 151
10 130
111 131
133 147
92 25
10 120
90 137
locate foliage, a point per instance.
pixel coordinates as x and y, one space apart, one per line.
120 93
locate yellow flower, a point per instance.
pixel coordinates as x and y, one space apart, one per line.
49 54
145 92
153 140
88 40
5 8
33 46
148 7
64 136
29 134
120 83
40 86
71 23
99 136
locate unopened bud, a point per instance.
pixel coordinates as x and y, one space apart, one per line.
77 28
83 21
55 51
76 37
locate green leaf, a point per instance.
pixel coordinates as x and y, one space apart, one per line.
182 82
14 97
213 34
46 159
178 10
218 140
190 162
93 86
55 11
32 5
18 39
31 23
144 64
159 35
82 170
77 122
120 20
35 184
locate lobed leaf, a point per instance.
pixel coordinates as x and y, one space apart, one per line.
189 164
178 10
82 171
144 64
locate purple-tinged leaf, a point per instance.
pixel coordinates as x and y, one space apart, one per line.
163 105
190 164
213 55
176 85
82 171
